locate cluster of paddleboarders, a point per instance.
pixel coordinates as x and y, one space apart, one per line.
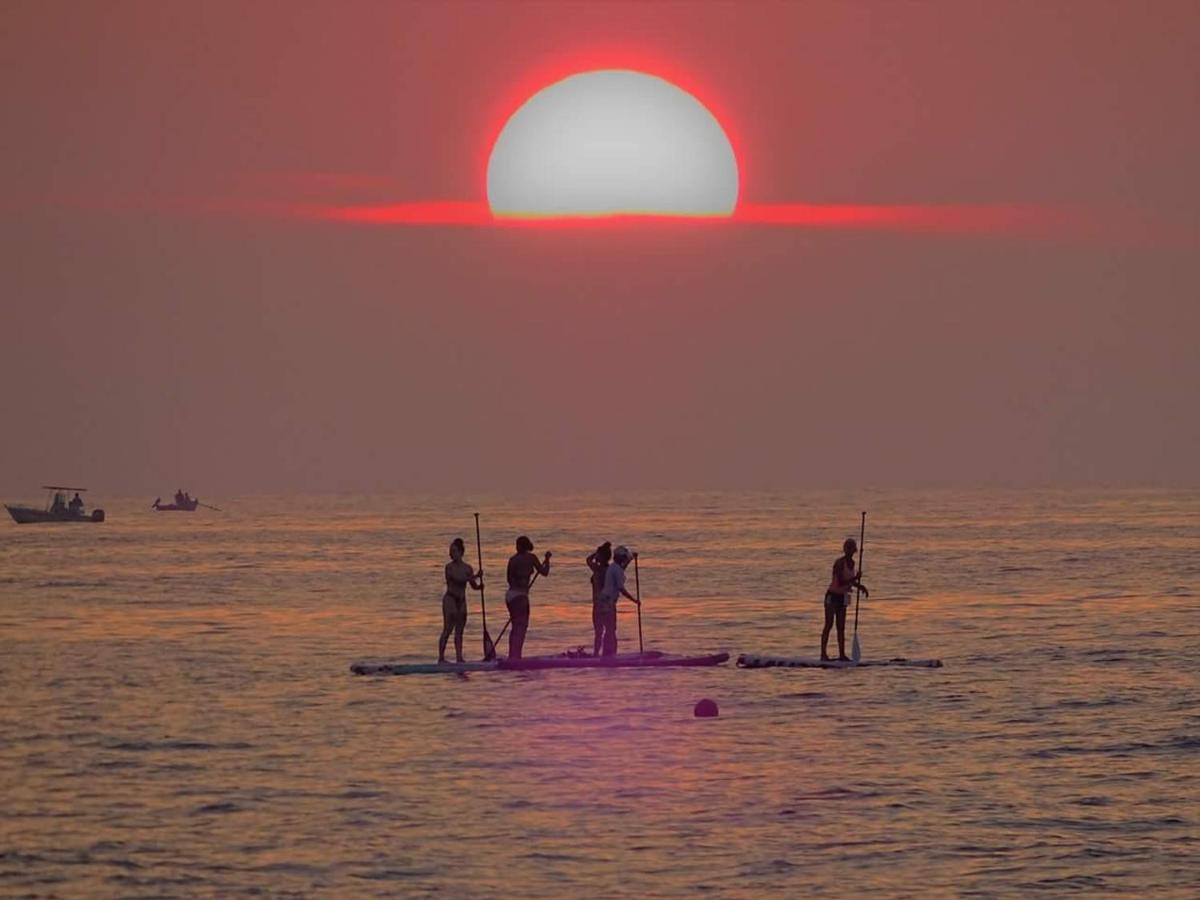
607 566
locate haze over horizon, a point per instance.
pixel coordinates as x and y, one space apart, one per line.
161 334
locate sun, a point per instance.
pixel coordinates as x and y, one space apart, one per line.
612 142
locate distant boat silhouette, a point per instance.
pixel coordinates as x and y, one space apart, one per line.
58 509
184 504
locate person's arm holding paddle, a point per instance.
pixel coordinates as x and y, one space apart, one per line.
847 579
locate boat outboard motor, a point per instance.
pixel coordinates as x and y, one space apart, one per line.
97 515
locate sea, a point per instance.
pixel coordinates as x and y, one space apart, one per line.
179 717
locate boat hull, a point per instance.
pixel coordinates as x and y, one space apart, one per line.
28 515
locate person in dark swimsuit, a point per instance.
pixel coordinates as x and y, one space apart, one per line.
454 602
598 562
837 598
521 568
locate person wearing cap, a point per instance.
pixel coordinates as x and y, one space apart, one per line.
454 602
521 568
598 562
614 589
837 598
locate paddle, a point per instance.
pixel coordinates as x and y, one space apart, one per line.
637 586
489 648
855 648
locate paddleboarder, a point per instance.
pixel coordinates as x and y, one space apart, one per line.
598 562
837 598
454 603
613 590
521 568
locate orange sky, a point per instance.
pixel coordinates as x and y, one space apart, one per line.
165 329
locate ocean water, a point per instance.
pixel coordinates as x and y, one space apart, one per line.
179 718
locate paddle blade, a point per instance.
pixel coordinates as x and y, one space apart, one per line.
489 648
855 649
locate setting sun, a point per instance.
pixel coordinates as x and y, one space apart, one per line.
612 142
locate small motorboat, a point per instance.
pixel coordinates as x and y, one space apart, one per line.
58 508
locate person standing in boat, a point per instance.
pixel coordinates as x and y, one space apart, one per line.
76 504
454 603
598 562
614 589
521 568
837 598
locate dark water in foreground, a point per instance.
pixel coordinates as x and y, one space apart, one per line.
178 716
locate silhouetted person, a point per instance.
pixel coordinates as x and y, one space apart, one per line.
76 504
454 603
521 566
614 589
837 598
179 497
598 562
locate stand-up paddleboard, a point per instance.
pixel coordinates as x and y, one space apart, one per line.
394 668
570 660
647 660
755 661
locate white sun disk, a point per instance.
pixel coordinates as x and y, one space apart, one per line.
612 142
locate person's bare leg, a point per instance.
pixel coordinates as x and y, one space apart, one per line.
598 628
447 627
459 627
825 632
841 626
520 624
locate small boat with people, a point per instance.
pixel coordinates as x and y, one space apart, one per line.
181 502
58 508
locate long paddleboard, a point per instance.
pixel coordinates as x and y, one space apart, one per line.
755 661
394 668
649 659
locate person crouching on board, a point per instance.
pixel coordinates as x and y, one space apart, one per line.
521 567
454 603
837 598
598 562
614 589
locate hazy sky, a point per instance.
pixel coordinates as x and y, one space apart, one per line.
161 330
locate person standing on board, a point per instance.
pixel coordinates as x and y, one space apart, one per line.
837 598
454 603
521 567
614 589
598 562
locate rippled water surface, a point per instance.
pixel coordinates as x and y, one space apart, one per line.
179 717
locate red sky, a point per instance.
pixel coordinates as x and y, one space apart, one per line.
165 328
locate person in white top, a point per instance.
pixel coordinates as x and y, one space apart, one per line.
614 589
